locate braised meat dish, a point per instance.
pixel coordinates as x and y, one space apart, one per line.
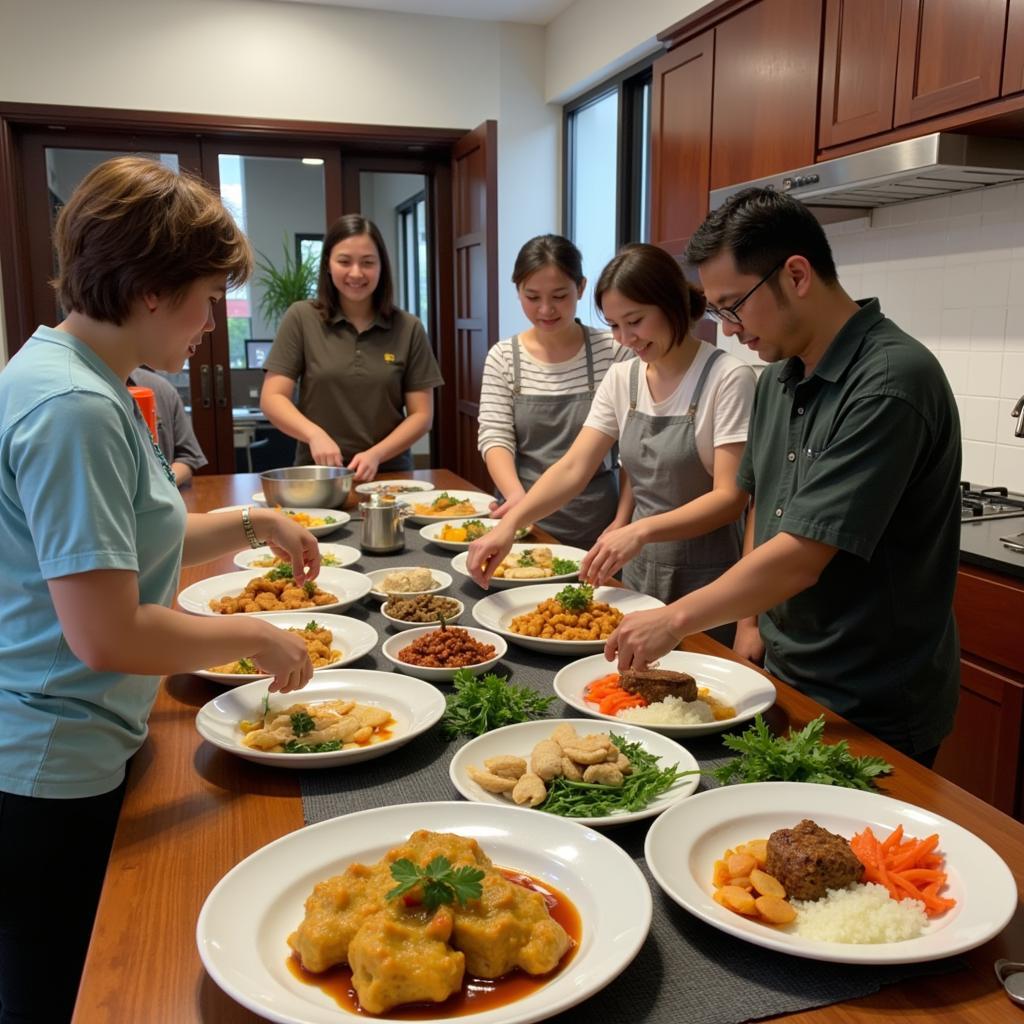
809 860
655 684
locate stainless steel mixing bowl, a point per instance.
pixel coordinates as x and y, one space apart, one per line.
307 486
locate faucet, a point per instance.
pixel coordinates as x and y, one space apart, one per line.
1018 414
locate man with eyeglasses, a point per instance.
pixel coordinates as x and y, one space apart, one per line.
845 588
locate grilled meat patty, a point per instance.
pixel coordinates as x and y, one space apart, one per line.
655 684
808 861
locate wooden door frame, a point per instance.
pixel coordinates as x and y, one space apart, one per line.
420 146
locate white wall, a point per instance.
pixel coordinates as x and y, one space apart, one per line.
950 271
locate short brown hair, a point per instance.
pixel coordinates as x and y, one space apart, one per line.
649 275
328 301
134 226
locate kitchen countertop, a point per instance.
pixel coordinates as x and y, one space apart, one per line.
980 545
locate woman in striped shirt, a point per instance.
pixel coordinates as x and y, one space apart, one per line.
537 390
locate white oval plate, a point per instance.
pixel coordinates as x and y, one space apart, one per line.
431 532
402 624
340 518
352 637
732 683
259 498
481 505
399 641
520 740
244 924
500 583
346 585
683 844
498 610
442 579
344 554
385 487
415 707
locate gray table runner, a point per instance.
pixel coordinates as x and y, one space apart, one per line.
686 972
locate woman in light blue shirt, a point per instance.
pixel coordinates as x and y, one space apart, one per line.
95 534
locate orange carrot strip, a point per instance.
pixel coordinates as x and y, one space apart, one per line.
893 839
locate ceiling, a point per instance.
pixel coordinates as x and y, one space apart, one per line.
528 12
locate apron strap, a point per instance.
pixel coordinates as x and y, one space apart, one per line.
517 380
699 389
634 383
590 359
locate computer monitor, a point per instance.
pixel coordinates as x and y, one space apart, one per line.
256 351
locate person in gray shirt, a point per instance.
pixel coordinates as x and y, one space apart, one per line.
174 431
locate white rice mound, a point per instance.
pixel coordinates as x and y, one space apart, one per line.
860 914
670 711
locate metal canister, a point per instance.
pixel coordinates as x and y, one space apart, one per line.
383 531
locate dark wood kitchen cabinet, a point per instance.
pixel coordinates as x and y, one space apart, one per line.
765 95
1013 58
858 69
983 753
950 56
681 141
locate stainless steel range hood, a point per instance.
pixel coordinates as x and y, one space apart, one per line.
933 165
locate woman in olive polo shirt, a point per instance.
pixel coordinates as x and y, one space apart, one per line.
365 370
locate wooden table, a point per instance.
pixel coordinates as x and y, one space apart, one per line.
192 812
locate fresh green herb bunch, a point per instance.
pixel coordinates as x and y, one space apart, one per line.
526 558
311 626
481 703
280 572
439 882
563 566
298 747
799 757
247 665
309 588
302 723
575 599
645 782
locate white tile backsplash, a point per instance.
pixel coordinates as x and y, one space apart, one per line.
950 271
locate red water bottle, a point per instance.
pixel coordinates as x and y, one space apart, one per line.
147 406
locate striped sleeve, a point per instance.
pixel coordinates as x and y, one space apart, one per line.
496 425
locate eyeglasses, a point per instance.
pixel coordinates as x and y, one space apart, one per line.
729 314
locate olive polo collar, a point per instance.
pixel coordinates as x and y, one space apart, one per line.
842 350
379 320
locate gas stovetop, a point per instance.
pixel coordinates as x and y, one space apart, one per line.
981 503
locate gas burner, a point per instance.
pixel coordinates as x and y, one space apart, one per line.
981 503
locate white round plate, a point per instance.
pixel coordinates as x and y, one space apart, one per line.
498 610
339 518
683 844
481 505
402 624
346 585
352 637
343 553
442 579
259 498
245 922
387 486
520 740
415 707
500 583
396 643
734 684
431 532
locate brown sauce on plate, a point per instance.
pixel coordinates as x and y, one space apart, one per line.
477 994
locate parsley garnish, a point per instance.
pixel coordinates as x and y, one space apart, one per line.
280 572
311 626
302 723
440 882
575 599
443 500
799 757
481 703
309 588
330 519
563 566
526 559
246 666
644 783
298 747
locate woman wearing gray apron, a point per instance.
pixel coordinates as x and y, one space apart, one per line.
537 390
679 413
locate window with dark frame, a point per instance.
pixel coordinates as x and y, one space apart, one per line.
606 183
412 232
308 245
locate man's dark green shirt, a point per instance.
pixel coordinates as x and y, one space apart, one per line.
864 455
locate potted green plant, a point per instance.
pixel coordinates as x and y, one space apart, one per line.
293 281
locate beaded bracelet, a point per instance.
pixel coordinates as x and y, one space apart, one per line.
250 533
